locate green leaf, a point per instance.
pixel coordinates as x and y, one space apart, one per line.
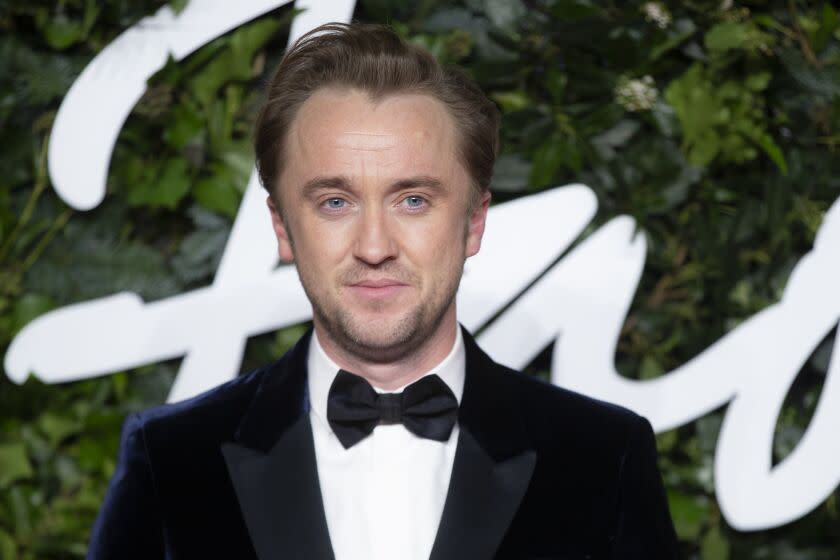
61 32
28 308
178 5
511 101
677 34
37 77
505 14
86 262
823 81
14 463
695 103
511 173
721 120
689 513
765 141
56 427
238 158
199 253
714 545
759 81
217 193
560 151
234 63
608 141
735 35
650 368
163 189
829 24
574 10
92 10
186 126
8 548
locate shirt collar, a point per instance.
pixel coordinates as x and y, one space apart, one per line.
322 371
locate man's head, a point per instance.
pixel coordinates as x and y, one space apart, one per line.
378 192
375 60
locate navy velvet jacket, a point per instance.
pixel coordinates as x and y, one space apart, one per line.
539 472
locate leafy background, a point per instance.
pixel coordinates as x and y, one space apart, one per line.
713 124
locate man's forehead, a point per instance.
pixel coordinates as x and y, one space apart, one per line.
345 132
357 117
365 140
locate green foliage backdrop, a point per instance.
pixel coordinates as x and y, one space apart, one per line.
713 124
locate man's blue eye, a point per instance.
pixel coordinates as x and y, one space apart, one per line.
414 201
334 203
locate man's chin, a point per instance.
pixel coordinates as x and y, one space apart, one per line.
379 339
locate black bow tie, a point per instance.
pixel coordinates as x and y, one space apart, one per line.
426 408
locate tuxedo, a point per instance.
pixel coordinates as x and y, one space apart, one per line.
539 472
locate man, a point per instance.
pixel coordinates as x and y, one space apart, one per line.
385 432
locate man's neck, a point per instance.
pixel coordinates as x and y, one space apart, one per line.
410 367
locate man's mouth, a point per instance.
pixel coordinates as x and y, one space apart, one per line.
375 288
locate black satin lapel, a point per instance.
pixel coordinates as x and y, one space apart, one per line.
280 496
483 497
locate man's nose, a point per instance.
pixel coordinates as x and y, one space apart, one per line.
375 242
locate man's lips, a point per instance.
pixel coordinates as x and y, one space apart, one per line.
377 288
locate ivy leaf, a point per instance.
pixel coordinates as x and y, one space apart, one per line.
85 263
234 62
714 545
186 126
560 151
765 141
33 76
450 19
178 5
200 252
161 188
650 368
505 14
574 10
8 548
217 193
62 32
734 35
823 81
510 173
14 463
689 513
510 101
28 308
222 190
693 100
829 24
56 427
608 141
681 30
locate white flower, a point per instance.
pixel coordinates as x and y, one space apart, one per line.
637 95
657 13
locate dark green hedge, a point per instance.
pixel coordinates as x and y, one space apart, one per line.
713 124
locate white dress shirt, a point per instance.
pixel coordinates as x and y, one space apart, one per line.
384 496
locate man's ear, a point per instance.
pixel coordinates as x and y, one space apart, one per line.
284 243
478 218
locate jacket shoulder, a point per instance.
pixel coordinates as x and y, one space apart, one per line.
555 415
213 414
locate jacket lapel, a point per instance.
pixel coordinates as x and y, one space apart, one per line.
493 464
272 465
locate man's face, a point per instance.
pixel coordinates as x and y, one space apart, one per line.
375 215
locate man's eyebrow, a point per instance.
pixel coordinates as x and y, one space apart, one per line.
340 182
320 183
418 182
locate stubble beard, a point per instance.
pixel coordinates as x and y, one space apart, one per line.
390 338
